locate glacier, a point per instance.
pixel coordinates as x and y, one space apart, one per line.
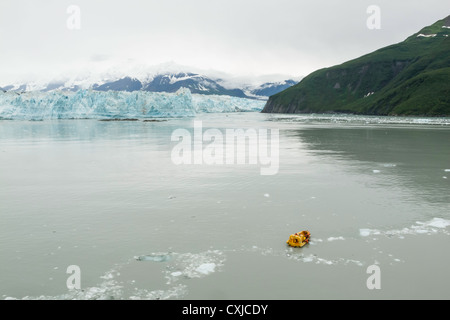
89 104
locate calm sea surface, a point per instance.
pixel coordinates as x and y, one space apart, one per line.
108 198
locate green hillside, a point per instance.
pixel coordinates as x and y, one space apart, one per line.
408 78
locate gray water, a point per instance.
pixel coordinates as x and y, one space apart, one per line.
106 196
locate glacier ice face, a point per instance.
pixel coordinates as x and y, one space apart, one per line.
88 104
218 104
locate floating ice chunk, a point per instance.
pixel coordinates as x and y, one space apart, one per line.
365 232
447 170
328 262
191 265
108 276
206 268
174 293
437 223
315 241
335 238
313 258
176 274
429 227
358 263
155 257
112 288
376 171
267 195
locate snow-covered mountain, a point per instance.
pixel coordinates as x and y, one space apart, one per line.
270 88
159 82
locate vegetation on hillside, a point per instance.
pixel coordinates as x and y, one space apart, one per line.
408 78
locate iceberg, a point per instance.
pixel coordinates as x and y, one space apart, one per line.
89 104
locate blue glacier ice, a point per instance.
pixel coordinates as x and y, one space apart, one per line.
88 104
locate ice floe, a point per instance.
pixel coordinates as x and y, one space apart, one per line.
112 289
179 267
330 239
206 268
155 257
430 227
313 258
189 265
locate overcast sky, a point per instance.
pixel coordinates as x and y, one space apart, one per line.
241 37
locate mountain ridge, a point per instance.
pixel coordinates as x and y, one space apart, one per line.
169 82
408 78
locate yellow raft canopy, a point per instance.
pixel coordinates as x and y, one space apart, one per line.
299 239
